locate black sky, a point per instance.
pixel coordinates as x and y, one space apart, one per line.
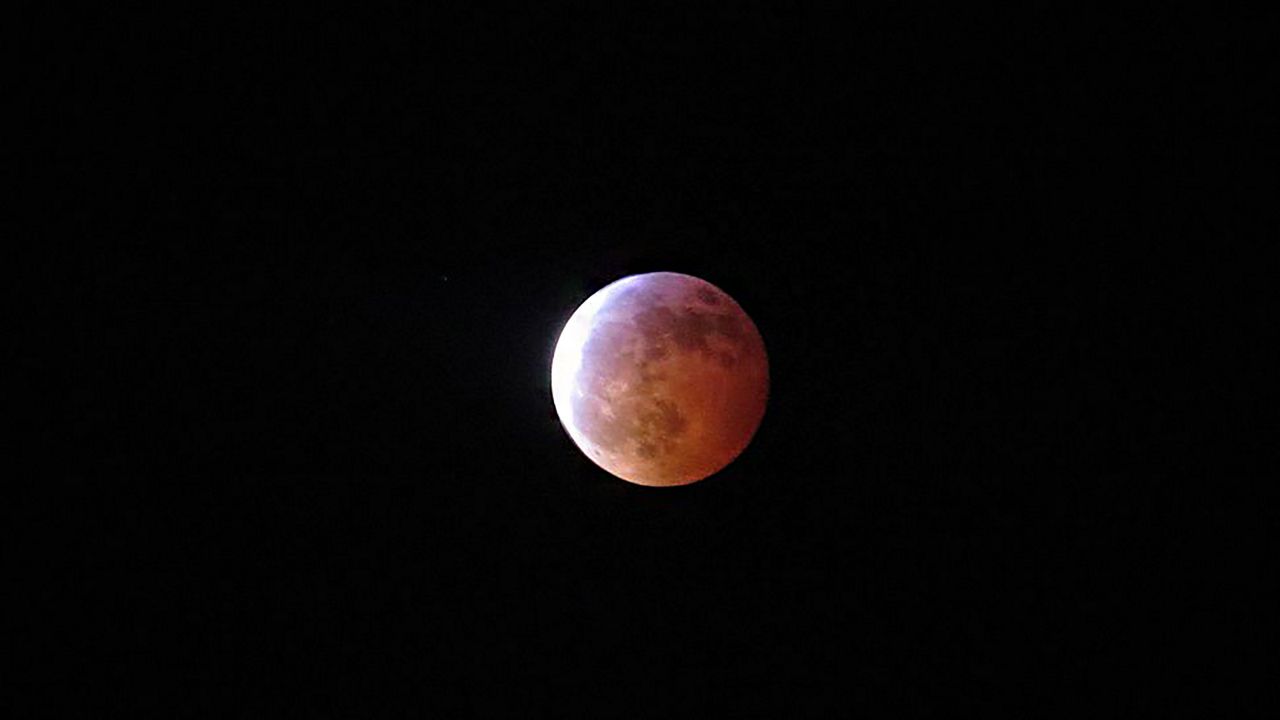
308 271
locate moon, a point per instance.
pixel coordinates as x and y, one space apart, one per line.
660 379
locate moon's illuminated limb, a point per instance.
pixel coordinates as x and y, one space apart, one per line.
661 378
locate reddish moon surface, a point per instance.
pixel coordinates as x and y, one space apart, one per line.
660 378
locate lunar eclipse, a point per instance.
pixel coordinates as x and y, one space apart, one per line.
660 379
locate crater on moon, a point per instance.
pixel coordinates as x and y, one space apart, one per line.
661 379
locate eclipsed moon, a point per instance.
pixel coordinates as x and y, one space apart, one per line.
660 378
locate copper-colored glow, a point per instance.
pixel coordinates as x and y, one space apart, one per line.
661 378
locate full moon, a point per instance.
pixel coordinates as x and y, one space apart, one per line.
660 378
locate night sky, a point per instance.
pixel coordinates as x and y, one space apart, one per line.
291 363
